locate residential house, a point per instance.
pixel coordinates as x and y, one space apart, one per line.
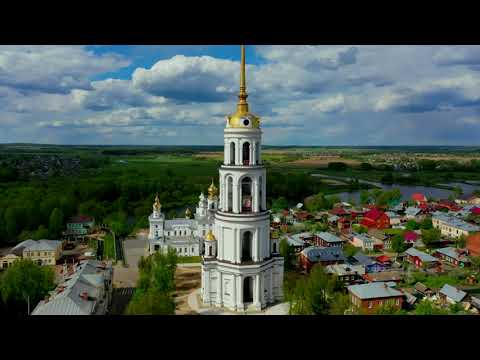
384 260
367 262
7 260
323 256
419 198
451 295
395 219
85 290
468 199
43 252
384 276
380 237
371 296
473 244
421 259
453 256
449 205
453 227
325 239
366 242
349 274
423 290
412 212
375 219
297 242
79 226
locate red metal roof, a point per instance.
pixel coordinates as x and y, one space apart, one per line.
383 259
80 219
410 236
338 211
419 197
374 214
475 210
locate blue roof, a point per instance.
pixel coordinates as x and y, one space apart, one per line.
328 237
316 254
453 293
373 290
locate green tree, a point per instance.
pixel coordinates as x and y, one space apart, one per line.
426 224
349 250
426 307
364 197
280 204
398 243
11 223
26 281
55 225
288 253
40 233
389 309
475 261
412 225
339 304
429 237
151 302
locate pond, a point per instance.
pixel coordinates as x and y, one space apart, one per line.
406 190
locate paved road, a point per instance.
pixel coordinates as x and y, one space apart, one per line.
120 299
128 276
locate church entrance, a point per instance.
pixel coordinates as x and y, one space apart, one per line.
247 290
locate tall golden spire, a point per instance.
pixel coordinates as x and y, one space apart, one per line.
242 96
243 118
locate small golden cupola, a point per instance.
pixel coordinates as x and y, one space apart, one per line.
188 213
156 205
212 191
210 236
242 118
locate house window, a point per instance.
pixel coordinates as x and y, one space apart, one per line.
179 250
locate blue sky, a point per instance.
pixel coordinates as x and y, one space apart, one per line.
305 95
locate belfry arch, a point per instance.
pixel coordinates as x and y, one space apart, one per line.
247 238
246 153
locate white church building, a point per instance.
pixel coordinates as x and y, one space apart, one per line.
242 268
184 235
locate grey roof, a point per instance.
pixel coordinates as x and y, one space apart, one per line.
345 269
89 277
451 252
328 237
420 287
170 224
453 293
391 214
364 238
412 211
316 254
420 254
294 241
373 291
333 218
36 245
455 222
363 259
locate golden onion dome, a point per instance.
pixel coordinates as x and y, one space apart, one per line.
210 236
212 191
156 205
242 118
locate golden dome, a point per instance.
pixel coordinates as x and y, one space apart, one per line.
242 118
210 236
212 191
188 213
156 205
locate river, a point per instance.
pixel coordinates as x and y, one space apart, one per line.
406 190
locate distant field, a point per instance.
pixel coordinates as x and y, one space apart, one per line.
449 157
323 161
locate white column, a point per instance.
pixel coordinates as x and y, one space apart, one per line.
264 191
238 246
257 296
239 299
226 152
237 152
270 295
219 290
251 153
254 152
255 202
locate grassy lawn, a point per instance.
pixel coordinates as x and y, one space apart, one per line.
189 259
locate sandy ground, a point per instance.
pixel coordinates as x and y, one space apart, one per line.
324 161
187 280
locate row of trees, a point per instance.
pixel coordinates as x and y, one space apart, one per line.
156 285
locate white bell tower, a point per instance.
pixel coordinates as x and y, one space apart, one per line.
246 273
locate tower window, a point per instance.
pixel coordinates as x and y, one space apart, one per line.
246 122
232 153
246 194
246 153
247 246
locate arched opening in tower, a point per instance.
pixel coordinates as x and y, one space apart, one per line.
230 194
257 153
248 290
247 246
232 153
246 153
246 194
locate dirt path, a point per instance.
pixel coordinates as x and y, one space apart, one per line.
187 280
